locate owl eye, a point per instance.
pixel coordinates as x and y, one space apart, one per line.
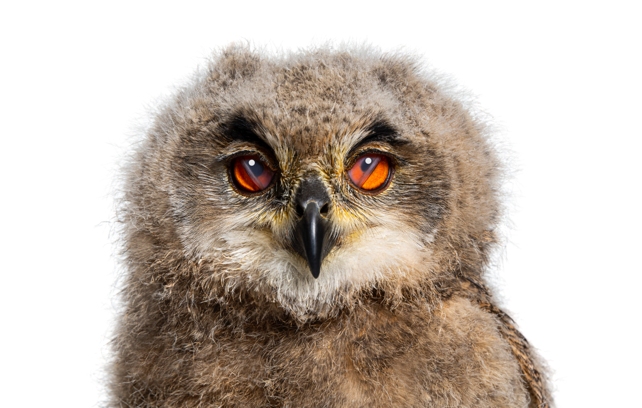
370 172
251 174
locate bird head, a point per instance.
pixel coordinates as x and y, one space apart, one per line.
311 180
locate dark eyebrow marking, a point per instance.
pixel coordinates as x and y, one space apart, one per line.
381 131
239 128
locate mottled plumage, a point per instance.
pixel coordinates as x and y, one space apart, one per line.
246 183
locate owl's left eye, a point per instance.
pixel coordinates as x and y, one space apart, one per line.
371 172
251 174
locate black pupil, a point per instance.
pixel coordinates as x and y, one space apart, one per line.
365 165
257 168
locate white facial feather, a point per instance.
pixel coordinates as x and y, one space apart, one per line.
390 251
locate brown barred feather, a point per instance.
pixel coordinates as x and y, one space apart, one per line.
540 395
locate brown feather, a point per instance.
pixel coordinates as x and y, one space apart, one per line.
219 306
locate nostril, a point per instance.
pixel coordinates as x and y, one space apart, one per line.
324 209
301 208
312 197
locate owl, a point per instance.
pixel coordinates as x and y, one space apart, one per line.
312 229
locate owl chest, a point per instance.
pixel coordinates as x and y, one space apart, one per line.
423 362
323 369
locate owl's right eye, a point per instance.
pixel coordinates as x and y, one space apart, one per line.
371 172
251 174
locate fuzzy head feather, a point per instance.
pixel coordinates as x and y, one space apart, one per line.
310 115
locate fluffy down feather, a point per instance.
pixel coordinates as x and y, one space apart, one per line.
219 311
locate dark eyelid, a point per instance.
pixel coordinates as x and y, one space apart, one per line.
241 129
380 131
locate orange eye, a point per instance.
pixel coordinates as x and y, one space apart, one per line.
370 171
251 174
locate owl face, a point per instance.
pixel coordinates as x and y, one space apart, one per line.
306 182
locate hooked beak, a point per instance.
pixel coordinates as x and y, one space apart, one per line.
310 231
312 239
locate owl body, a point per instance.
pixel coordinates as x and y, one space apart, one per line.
312 230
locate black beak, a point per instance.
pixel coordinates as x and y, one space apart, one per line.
311 232
312 239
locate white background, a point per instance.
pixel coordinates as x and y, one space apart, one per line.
561 80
